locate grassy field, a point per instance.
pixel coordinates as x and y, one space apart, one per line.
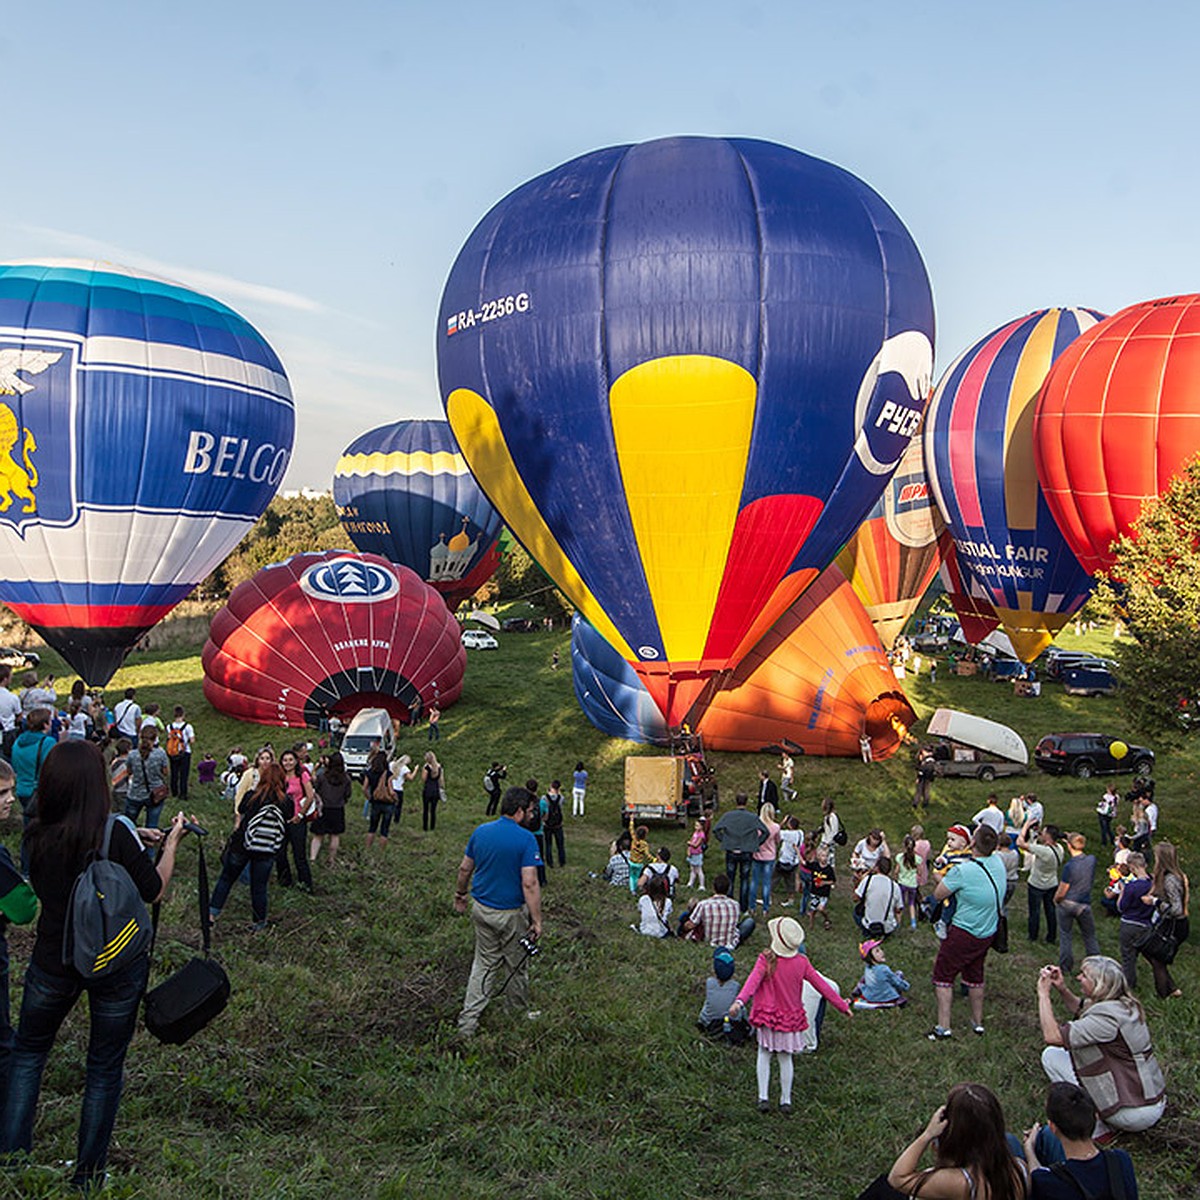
335 1072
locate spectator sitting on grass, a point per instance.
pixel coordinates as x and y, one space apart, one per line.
715 918
1065 1161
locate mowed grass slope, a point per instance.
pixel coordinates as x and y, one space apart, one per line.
335 1071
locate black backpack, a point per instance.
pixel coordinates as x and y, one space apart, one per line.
554 812
107 923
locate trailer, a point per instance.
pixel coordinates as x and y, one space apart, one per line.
674 788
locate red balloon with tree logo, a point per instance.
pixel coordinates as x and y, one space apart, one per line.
327 634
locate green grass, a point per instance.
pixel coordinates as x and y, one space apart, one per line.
334 1072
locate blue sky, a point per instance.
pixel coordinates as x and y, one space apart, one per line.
318 166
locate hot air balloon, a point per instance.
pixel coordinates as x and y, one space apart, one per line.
330 633
609 691
816 682
143 429
404 491
1117 419
979 451
892 558
683 371
972 606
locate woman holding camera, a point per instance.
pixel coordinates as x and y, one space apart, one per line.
1104 1047
73 810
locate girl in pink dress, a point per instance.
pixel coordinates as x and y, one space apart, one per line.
776 985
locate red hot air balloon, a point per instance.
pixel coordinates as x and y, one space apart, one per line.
974 610
327 634
1116 420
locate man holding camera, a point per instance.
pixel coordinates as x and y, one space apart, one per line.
500 867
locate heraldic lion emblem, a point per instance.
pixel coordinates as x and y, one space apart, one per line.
18 480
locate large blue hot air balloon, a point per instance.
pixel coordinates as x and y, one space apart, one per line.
610 691
144 427
683 372
1010 554
404 491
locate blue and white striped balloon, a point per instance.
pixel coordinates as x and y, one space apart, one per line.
144 428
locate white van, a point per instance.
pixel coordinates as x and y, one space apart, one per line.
369 725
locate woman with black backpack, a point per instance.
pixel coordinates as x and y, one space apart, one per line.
256 838
72 829
551 805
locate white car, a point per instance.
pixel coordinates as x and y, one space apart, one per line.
476 639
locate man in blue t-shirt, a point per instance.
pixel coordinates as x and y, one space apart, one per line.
500 867
1073 902
979 883
1066 1162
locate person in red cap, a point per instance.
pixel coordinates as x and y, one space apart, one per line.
957 848
880 986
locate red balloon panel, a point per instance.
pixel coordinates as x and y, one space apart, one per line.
328 634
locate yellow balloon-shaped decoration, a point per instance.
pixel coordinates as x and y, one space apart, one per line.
1118 750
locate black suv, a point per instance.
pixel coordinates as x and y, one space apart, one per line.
1086 754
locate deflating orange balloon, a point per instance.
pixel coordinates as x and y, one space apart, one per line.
892 559
818 680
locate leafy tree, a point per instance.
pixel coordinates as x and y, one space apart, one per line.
290 525
1154 589
520 578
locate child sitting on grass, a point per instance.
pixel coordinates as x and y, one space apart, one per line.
720 991
880 986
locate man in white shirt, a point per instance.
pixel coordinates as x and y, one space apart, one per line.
10 713
992 816
127 716
882 902
180 738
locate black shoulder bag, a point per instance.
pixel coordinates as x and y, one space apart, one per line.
186 1001
1000 937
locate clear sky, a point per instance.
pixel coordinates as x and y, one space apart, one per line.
317 166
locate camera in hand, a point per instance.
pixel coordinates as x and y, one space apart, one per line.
530 946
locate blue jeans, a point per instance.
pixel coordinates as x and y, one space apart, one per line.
761 875
260 876
736 862
113 1002
6 1030
133 809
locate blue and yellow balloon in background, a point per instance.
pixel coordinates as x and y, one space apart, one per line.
404 491
1011 556
684 371
144 428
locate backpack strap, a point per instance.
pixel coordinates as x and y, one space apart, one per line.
1116 1180
1060 1170
108 829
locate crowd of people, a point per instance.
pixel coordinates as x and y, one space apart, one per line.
1098 1054
289 816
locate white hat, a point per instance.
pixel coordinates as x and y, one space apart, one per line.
787 936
